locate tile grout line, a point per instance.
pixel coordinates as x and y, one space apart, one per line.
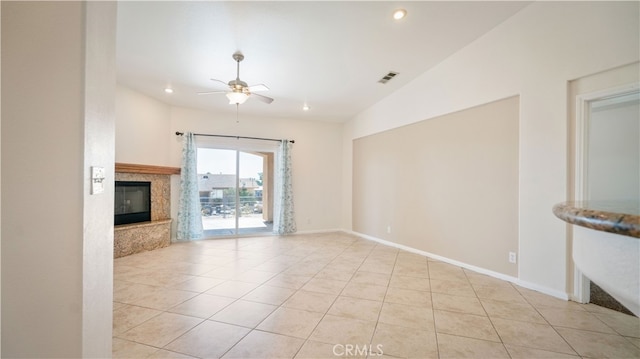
433 310
375 328
488 316
548 323
281 306
332 303
251 330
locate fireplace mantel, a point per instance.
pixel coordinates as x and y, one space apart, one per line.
146 169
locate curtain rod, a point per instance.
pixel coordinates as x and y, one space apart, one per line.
178 133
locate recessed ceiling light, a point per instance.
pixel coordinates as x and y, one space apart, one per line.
306 107
399 14
168 90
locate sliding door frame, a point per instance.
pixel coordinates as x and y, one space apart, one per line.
267 151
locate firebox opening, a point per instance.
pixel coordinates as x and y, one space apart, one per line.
132 202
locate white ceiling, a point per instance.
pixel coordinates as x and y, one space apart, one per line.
327 54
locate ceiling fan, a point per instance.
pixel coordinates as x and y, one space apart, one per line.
239 91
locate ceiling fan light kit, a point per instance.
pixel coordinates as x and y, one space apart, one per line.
237 97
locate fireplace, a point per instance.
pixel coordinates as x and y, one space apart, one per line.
132 202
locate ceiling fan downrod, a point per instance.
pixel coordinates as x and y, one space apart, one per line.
238 56
238 85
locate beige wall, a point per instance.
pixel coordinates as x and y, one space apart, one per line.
520 57
447 185
58 81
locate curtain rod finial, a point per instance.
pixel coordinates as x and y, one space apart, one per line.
178 133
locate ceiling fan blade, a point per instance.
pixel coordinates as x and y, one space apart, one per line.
210 92
262 98
256 88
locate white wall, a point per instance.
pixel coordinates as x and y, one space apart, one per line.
58 67
99 151
316 154
141 122
533 54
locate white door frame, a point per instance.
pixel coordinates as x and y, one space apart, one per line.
581 284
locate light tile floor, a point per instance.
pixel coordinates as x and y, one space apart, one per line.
315 296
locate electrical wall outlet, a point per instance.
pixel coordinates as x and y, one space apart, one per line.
512 257
388 229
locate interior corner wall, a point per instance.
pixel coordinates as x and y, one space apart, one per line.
521 57
447 185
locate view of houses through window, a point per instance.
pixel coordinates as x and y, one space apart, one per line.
235 190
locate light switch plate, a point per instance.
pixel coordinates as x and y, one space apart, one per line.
97 180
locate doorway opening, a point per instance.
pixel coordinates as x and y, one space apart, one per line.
236 191
606 172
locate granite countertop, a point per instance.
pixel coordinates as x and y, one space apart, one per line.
620 217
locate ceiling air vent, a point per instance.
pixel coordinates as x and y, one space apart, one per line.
388 77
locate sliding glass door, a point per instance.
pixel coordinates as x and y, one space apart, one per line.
235 191
251 194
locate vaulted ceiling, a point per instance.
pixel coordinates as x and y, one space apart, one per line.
327 54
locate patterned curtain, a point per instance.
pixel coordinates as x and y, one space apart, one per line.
189 216
283 220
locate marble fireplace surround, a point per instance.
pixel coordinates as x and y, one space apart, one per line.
144 236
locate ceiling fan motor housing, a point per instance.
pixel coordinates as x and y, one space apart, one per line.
237 84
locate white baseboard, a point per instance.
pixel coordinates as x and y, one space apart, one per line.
544 290
514 280
317 231
260 234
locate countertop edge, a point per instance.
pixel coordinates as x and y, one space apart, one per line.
606 221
